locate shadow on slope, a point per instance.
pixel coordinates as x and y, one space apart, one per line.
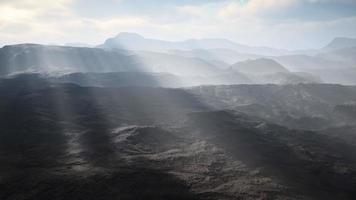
314 164
47 153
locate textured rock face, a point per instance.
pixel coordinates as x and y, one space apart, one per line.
303 106
62 141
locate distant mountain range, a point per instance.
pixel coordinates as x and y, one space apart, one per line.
203 61
142 66
133 41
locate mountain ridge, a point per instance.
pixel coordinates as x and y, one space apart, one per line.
130 41
340 43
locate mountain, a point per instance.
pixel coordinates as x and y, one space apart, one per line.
261 66
268 71
340 43
133 41
60 59
302 106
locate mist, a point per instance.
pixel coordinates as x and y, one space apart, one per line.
177 100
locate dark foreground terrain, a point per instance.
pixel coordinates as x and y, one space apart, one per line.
64 141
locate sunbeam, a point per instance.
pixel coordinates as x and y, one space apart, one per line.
216 100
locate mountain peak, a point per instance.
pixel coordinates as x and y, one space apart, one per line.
123 40
128 35
134 41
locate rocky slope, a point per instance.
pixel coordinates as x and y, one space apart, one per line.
62 141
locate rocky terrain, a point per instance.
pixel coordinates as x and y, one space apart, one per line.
178 100
64 141
140 118
302 106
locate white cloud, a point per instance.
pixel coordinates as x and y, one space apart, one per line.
57 22
44 21
191 10
254 7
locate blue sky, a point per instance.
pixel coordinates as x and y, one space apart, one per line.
291 24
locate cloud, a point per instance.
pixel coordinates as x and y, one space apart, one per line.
32 11
255 7
288 23
191 10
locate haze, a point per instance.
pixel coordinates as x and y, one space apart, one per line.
178 100
288 24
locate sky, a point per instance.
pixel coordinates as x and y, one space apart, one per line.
287 24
